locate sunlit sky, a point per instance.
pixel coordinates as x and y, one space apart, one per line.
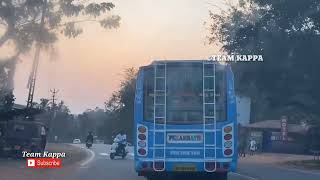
86 70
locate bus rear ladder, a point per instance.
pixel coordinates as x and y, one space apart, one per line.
209 112
159 115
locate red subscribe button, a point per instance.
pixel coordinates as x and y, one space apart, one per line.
44 163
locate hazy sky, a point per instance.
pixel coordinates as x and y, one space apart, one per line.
88 69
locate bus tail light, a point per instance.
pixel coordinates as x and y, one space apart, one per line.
227 137
228 144
228 140
142 140
142 137
142 151
142 129
228 152
142 144
227 129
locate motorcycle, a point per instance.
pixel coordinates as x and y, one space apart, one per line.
116 150
89 144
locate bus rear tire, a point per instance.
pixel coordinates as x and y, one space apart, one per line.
154 178
222 176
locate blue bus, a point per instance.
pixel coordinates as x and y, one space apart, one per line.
185 120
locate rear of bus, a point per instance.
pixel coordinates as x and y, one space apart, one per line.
185 119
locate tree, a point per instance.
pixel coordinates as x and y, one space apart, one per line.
93 121
120 106
287 34
7 102
44 104
62 123
27 22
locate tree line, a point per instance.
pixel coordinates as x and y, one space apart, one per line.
287 34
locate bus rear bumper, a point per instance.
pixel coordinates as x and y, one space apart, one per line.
146 168
183 175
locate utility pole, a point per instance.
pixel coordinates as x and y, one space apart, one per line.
53 97
54 106
33 75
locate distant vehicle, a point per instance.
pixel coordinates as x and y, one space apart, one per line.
21 135
76 141
185 120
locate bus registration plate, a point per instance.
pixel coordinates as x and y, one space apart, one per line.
185 168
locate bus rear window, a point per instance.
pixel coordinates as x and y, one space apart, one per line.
184 94
148 91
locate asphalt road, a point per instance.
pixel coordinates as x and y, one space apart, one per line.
100 167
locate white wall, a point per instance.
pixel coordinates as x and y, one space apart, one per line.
243 109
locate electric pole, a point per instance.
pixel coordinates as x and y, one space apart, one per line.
53 107
53 97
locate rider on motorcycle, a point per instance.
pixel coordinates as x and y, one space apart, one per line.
121 140
89 137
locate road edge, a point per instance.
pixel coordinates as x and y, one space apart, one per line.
90 155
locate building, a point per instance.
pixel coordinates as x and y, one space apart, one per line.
243 110
269 136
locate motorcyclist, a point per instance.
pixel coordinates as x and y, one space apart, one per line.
89 137
121 139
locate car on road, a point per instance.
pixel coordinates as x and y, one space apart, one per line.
76 141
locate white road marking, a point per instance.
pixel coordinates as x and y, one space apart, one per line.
104 154
244 176
92 155
88 160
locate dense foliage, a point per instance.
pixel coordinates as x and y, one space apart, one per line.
120 107
117 115
287 34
